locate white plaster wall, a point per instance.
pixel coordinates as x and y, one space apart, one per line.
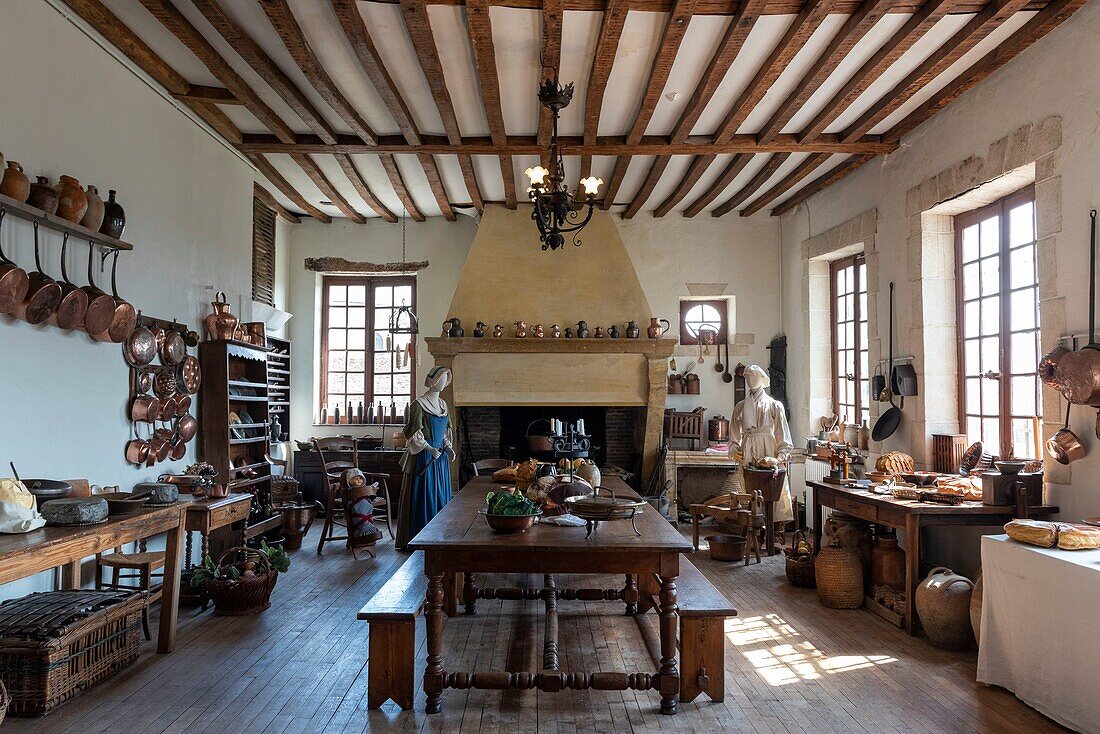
1030 88
666 253
70 108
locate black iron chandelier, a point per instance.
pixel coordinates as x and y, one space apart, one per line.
557 212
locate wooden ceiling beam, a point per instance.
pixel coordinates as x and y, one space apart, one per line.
480 30
261 63
435 182
215 95
679 16
1042 23
794 39
394 173
721 7
976 29
273 204
931 13
329 191
753 185
822 183
286 26
607 45
177 24
695 171
792 179
855 28
728 50
276 179
730 172
347 165
549 58
609 145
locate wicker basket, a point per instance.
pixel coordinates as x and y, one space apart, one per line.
285 491
839 577
56 645
242 596
5 700
800 566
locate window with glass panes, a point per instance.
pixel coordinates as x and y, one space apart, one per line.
851 377
363 362
998 302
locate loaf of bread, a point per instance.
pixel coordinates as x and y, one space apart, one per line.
1077 537
507 474
1035 532
1065 535
894 462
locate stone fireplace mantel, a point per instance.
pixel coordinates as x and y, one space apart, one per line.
548 371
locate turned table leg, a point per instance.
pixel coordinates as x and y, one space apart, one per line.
670 676
469 593
433 616
630 594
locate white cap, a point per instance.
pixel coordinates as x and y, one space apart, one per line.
759 371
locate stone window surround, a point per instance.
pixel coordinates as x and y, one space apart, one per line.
1031 152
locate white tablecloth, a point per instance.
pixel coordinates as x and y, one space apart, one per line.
1040 635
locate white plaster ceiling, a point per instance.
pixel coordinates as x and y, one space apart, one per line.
517 38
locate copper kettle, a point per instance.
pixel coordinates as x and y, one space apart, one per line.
220 323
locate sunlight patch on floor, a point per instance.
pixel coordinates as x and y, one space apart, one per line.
781 654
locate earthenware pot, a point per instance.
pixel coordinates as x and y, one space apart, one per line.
498 331
93 217
582 329
72 202
613 331
114 217
943 603
888 564
538 331
521 329
555 331
43 195
15 183
632 330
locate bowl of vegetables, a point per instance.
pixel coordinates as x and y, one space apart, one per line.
507 512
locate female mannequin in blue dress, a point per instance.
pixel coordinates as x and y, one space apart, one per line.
426 461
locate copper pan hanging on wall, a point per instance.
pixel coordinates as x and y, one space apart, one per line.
1064 446
1078 373
101 307
43 293
14 280
74 301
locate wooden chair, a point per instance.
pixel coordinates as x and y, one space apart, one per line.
489 466
333 470
124 567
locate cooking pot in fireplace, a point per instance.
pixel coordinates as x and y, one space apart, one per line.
538 435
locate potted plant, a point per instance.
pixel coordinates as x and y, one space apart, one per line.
241 581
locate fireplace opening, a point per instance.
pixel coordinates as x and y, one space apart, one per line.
617 433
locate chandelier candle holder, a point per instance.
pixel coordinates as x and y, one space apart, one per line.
557 211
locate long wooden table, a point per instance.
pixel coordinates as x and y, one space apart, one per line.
46 548
911 516
458 542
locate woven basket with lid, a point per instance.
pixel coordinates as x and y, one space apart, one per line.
839 577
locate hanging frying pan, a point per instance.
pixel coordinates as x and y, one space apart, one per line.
74 302
101 307
888 422
14 280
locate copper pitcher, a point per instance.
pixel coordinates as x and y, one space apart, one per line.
655 329
220 323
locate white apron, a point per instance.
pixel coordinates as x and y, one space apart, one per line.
760 429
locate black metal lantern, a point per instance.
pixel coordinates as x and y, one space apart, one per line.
558 212
403 320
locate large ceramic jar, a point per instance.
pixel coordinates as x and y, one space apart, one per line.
888 564
93 217
943 603
43 195
72 202
15 183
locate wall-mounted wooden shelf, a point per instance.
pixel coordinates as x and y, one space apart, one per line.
54 222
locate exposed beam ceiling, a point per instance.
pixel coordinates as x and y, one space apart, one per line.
292 84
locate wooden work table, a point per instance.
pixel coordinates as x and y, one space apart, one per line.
458 542
911 516
46 548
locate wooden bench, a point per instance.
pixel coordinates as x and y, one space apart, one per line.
703 611
391 615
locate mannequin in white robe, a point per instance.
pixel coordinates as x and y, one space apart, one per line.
758 428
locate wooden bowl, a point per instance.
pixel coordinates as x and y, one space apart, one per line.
510 523
726 547
121 503
920 478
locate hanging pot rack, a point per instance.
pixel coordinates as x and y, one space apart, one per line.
30 213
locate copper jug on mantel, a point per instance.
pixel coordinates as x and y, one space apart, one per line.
655 329
220 323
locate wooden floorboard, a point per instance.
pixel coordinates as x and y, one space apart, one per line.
791 666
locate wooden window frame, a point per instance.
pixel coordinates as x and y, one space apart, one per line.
263 253
370 281
835 267
967 219
722 305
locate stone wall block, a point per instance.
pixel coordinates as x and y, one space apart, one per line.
1047 166
945 185
968 174
1048 206
1019 148
1045 138
995 160
1048 267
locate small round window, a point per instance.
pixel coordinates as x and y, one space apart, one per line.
700 318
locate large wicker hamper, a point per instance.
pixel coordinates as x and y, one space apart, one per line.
55 645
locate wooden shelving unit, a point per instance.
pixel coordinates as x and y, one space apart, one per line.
228 369
278 382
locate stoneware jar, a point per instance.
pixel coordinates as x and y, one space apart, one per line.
114 217
43 195
72 202
888 564
15 183
93 217
943 603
